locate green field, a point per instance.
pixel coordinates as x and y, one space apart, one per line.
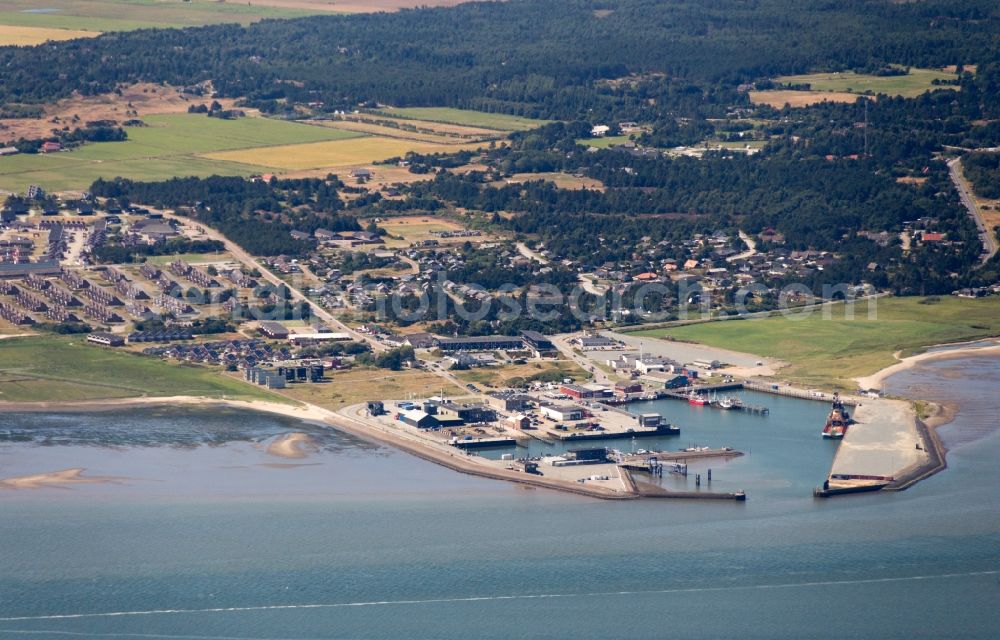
603 143
821 352
65 368
465 117
911 85
126 15
167 147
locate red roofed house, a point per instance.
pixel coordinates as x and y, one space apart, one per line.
49 147
646 277
929 236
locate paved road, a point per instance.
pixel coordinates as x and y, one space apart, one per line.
529 254
751 248
268 275
566 349
965 192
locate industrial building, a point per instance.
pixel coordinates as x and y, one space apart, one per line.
481 343
562 412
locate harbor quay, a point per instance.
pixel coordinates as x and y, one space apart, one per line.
433 429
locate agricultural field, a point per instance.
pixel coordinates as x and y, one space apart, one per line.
332 154
916 82
41 368
846 86
834 351
466 117
778 98
168 146
20 36
125 15
364 383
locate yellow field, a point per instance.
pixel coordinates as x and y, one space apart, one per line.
779 98
30 36
389 132
334 153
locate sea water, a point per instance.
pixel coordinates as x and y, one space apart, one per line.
203 534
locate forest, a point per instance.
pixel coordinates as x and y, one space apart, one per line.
528 57
257 215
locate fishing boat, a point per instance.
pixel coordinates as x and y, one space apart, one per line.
729 403
697 399
838 420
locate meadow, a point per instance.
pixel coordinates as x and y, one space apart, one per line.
334 153
833 351
168 146
916 82
363 383
603 142
66 368
466 117
517 374
417 228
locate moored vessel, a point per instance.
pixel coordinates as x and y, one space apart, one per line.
838 420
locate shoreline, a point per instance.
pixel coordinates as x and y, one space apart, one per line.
948 351
458 461
455 461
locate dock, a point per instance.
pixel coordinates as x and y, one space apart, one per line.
647 490
736 404
484 443
574 436
684 456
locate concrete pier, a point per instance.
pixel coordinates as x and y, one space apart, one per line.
884 446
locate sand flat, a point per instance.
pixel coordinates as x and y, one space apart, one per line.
292 445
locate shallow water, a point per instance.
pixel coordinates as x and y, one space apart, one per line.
377 544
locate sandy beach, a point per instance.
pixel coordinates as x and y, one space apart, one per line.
875 380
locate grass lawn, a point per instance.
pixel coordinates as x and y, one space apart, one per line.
126 15
192 258
558 178
911 85
604 142
834 351
498 121
333 153
165 148
363 384
66 368
500 376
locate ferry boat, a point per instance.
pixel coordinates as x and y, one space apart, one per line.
838 420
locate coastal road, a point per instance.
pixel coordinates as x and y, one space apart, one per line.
965 193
